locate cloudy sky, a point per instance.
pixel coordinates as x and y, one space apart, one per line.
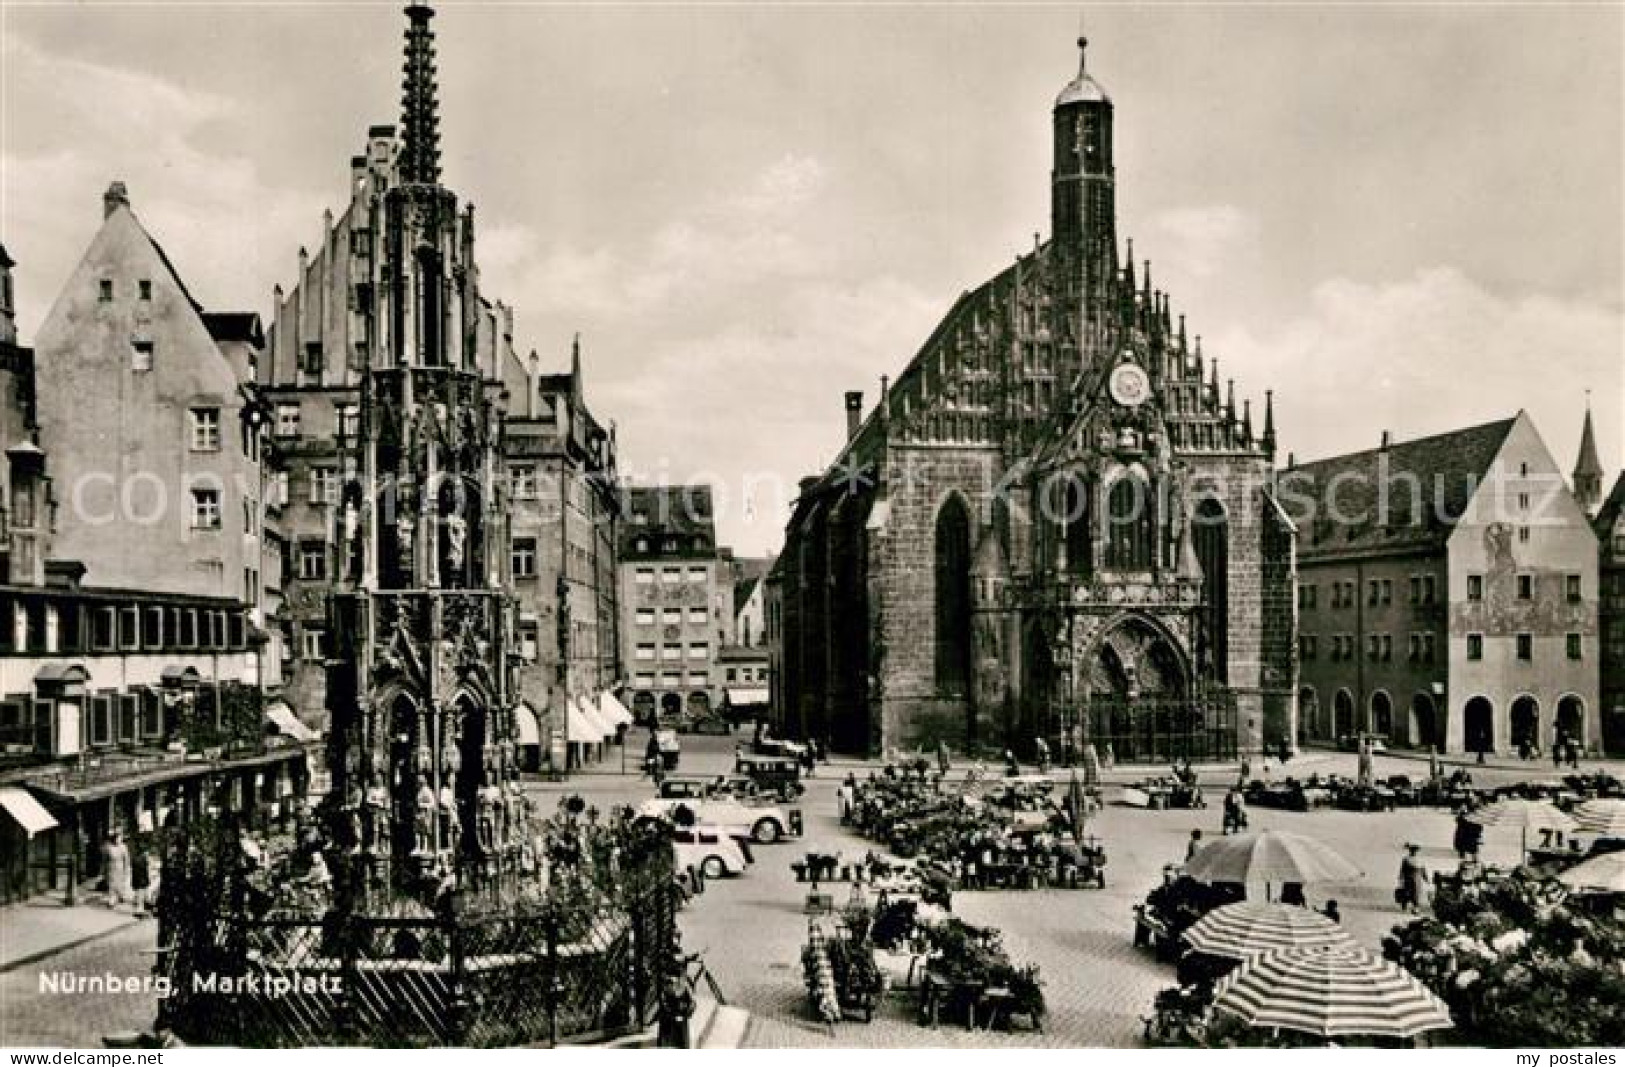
1406 218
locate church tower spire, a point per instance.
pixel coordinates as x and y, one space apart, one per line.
420 102
1083 210
1587 468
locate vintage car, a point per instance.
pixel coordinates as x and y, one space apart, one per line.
779 776
670 748
1351 742
764 823
706 787
1163 792
710 850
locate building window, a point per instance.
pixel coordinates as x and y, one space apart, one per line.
699 650
1475 646
524 557
1429 591
644 576
141 355
1526 648
698 617
646 617
699 678
129 718
671 651
324 485
152 715
696 574
349 419
1571 588
205 509
645 651
313 561
287 420
1526 587
1416 589
1427 648
524 483
105 290
313 643
1575 646
1523 535
1475 587
101 720
205 429
671 575
671 617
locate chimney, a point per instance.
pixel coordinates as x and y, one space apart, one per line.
1385 440
854 414
117 196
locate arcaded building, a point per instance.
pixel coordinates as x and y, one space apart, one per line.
1057 521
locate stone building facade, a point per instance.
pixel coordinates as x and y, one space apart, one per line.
1610 528
1448 594
1056 522
565 515
670 614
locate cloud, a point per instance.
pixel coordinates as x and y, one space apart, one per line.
721 342
1196 242
223 226
1434 352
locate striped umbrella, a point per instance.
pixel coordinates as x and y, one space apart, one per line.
1250 928
1330 991
1270 856
1524 815
1604 816
1599 874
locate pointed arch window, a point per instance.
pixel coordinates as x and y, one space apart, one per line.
1130 525
953 596
1079 543
1212 537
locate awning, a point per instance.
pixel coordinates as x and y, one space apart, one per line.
580 727
62 674
175 674
589 708
282 717
744 697
29 813
613 711
530 732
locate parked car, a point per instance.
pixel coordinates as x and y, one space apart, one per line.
710 850
778 775
670 748
763 823
1351 742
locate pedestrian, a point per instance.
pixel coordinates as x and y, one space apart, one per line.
1574 755
1557 750
1246 774
1194 846
944 763
1331 911
140 878
1414 891
116 865
1041 748
1012 769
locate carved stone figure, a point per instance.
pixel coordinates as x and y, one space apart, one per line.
423 824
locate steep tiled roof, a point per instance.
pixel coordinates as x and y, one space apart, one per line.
1364 502
683 512
743 590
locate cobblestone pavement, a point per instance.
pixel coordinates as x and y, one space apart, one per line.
34 1017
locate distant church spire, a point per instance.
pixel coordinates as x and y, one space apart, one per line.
420 104
1268 440
1587 468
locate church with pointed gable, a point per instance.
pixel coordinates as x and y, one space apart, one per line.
1057 522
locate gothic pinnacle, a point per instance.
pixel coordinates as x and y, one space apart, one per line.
420 106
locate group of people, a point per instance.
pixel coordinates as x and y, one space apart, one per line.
131 877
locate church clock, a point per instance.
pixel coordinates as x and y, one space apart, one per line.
1130 386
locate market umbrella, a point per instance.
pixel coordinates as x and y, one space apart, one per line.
1599 874
1524 815
1270 856
1330 991
1604 816
1241 931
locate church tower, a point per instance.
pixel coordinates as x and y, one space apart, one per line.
423 753
1083 199
1588 469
